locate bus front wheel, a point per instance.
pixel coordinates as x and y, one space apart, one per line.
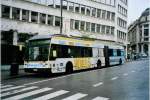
69 68
98 64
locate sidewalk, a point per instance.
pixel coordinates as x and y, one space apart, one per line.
130 60
5 72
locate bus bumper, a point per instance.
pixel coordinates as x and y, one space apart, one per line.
38 70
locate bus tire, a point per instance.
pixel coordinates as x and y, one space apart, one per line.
69 68
99 64
120 61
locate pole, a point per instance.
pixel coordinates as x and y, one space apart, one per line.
61 19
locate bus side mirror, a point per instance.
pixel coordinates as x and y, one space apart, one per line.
54 53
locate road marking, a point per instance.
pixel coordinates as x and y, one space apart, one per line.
1 84
58 77
100 98
98 84
51 95
6 86
132 71
114 78
17 91
20 96
125 74
11 88
75 96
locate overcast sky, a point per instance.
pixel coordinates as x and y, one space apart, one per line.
135 8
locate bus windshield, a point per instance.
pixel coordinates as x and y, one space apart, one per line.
38 50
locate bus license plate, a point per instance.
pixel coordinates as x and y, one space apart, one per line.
35 70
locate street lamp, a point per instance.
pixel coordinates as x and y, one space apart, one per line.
61 19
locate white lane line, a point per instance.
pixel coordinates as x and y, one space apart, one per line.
100 98
75 96
18 91
11 88
6 86
132 71
114 78
125 74
1 84
20 96
98 84
51 95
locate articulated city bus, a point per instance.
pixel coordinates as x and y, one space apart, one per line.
58 53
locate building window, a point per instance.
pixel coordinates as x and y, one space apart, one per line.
146 25
93 27
34 16
122 23
77 7
50 20
82 25
146 32
65 4
25 15
88 26
99 13
103 14
42 18
71 6
112 30
103 29
5 11
88 10
50 3
57 4
108 30
146 39
113 16
15 13
108 15
76 24
122 10
82 9
98 28
57 21
93 12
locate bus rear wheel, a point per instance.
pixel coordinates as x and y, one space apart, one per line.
99 64
69 68
120 61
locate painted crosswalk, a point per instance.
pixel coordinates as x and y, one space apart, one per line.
75 96
51 95
18 91
11 88
12 92
6 86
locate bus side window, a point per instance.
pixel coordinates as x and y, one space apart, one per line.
101 53
114 52
118 52
122 53
110 52
70 52
54 53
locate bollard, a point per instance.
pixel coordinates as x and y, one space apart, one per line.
14 69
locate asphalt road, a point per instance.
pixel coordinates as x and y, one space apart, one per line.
125 82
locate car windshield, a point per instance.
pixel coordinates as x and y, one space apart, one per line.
38 50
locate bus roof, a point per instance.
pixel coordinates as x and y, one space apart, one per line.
40 37
75 41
